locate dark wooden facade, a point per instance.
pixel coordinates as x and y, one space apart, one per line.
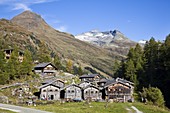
119 91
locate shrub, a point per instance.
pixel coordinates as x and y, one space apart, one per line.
154 95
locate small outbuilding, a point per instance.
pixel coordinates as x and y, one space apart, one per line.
45 69
90 77
49 92
71 92
92 92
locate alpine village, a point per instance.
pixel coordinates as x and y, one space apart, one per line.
45 69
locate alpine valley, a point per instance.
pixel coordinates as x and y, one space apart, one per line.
94 49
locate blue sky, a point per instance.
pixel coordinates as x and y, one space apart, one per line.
136 19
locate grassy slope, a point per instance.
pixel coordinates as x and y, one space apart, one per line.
97 107
149 108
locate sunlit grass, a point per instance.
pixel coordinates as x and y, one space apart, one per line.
99 107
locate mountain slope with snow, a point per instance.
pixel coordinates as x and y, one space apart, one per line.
111 40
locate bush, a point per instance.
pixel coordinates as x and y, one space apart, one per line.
154 95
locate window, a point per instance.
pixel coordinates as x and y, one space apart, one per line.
72 91
68 91
96 91
50 90
44 90
92 92
86 92
56 90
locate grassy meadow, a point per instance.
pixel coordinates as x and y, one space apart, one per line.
99 107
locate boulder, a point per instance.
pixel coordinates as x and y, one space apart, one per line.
4 99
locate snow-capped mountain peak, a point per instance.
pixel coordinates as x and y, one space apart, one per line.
102 38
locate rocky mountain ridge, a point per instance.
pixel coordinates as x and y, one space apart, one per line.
111 40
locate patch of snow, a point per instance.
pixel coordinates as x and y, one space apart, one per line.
142 42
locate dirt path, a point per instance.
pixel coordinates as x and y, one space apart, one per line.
137 111
19 109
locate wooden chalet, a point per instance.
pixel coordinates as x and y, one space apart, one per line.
118 90
90 77
45 69
92 92
71 92
8 53
49 92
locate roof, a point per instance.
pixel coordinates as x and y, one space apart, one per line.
110 82
70 86
51 83
91 86
89 76
42 65
103 80
84 82
125 81
114 81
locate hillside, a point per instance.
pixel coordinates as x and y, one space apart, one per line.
12 34
65 44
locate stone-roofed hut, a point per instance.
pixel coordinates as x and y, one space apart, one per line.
45 69
49 92
71 92
90 77
92 92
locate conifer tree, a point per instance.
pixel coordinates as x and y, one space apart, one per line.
26 65
69 66
57 62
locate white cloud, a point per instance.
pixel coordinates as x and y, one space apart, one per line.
19 6
23 4
62 28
